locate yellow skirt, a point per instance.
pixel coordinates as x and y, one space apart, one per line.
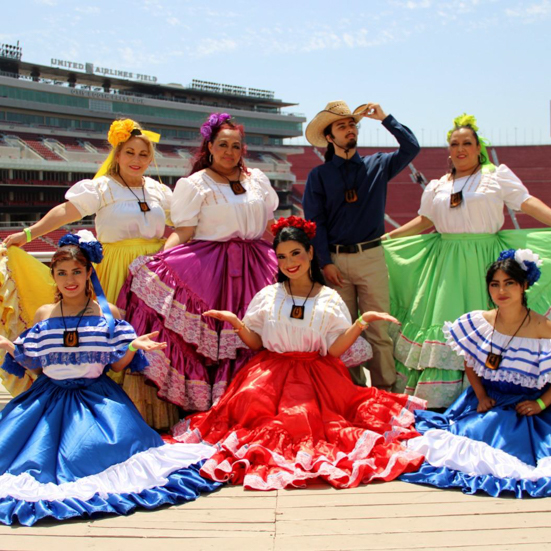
25 286
112 273
117 257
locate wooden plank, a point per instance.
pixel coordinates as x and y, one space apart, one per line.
375 499
490 547
26 543
221 502
437 540
373 488
413 525
173 531
423 510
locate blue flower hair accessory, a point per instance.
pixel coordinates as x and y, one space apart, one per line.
85 240
528 260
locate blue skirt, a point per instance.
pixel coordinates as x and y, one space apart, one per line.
77 447
493 452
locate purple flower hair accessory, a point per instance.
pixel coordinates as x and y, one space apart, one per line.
214 121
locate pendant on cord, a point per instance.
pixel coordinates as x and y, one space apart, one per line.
70 339
297 312
237 187
350 195
144 207
456 199
493 360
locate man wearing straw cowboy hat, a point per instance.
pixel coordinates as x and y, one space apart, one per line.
346 197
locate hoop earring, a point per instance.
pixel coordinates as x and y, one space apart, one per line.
451 168
482 159
210 158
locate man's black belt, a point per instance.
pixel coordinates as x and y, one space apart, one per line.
356 248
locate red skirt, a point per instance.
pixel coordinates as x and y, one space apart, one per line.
295 418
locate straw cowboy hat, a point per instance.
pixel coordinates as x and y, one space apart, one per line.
333 111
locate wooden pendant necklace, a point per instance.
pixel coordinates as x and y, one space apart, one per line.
144 207
297 311
70 338
493 360
235 185
457 198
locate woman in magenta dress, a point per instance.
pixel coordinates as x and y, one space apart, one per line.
293 415
215 258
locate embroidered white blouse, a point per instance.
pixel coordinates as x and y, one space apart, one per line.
220 215
483 198
325 318
118 215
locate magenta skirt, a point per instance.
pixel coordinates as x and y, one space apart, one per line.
169 292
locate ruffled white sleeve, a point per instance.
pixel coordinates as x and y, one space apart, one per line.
271 197
514 192
257 311
186 204
427 200
85 196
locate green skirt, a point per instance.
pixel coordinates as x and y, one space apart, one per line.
436 278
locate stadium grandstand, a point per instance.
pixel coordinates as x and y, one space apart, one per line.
54 122
531 163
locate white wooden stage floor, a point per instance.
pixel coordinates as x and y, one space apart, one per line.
390 516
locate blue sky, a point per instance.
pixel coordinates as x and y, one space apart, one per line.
424 61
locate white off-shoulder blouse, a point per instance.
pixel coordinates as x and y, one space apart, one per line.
118 215
326 317
220 215
484 195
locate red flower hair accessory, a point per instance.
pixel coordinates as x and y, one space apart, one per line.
309 228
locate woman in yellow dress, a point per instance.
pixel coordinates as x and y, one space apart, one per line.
131 211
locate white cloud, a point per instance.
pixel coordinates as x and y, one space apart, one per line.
531 12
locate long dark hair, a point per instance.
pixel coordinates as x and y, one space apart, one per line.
291 233
202 157
514 270
330 151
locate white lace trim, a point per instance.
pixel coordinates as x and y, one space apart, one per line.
304 467
142 471
459 453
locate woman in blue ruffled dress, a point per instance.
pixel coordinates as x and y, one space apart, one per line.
74 444
496 437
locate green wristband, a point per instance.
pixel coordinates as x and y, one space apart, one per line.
362 322
28 234
131 348
541 404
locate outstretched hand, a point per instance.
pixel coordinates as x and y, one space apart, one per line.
15 239
5 344
146 342
379 316
222 315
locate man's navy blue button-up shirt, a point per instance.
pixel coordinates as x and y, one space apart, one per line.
342 223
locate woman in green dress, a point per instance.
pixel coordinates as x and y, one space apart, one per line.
439 276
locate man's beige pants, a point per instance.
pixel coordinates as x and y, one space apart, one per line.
365 288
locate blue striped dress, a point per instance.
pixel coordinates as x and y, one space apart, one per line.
74 444
500 450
